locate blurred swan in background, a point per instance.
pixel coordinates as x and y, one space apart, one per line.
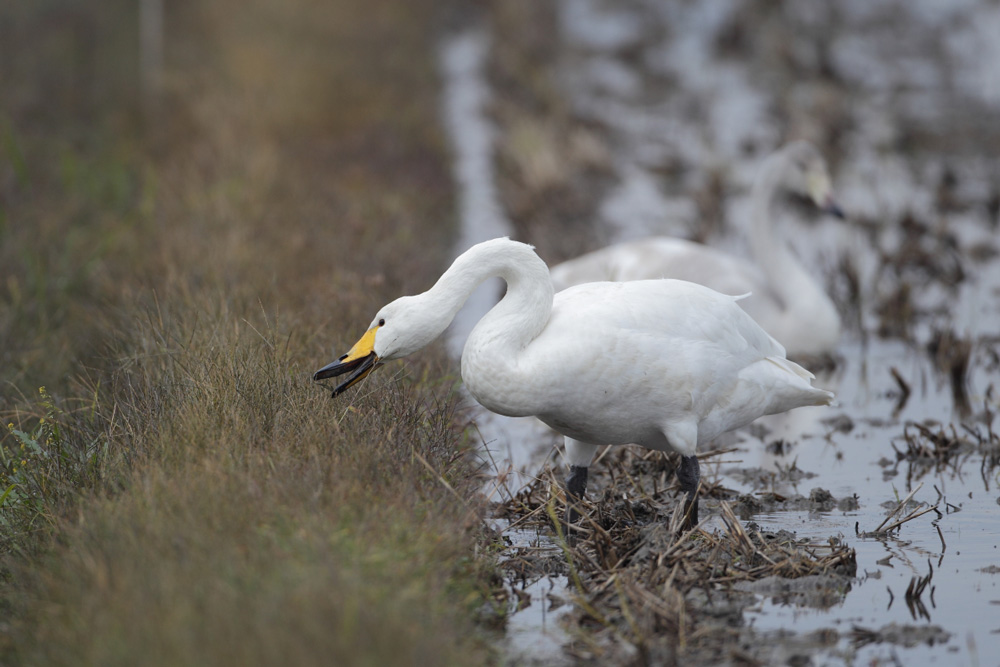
665 364
786 300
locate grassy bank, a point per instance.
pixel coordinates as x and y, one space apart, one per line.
172 273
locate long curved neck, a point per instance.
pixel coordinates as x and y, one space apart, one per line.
808 319
491 359
521 314
785 273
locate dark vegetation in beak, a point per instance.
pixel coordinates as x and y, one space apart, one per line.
359 369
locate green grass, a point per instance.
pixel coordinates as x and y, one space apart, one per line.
182 493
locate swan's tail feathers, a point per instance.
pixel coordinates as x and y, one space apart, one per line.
801 381
822 396
791 367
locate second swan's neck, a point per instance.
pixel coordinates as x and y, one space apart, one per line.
785 273
808 321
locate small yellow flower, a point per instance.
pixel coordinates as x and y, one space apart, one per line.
24 462
10 425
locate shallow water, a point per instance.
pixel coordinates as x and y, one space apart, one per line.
533 630
964 598
915 91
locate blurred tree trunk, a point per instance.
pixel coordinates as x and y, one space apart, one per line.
151 55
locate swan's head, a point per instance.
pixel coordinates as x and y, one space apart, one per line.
400 328
806 174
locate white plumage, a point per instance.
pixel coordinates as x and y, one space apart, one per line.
665 364
786 300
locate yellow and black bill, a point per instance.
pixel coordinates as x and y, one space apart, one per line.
821 192
830 207
359 362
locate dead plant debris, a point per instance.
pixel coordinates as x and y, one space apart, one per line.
933 447
888 524
641 586
901 635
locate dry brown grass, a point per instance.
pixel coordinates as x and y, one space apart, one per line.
173 279
257 525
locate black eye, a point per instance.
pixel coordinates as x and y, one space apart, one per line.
381 322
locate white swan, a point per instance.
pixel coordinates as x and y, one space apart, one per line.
665 364
786 300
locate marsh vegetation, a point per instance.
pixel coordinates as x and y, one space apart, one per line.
175 490
180 492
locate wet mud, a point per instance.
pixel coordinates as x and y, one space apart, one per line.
861 533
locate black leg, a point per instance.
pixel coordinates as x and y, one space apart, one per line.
576 487
688 474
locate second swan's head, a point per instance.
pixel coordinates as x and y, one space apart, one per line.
804 172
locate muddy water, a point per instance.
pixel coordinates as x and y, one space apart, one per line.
904 98
964 597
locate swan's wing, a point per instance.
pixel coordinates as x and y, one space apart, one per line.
677 341
660 312
654 355
663 257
